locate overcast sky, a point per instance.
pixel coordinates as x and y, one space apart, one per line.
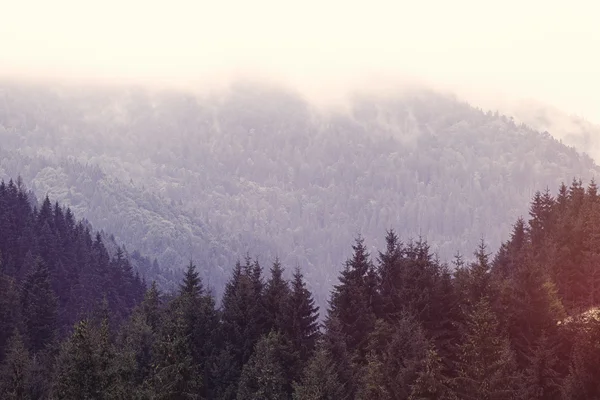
547 50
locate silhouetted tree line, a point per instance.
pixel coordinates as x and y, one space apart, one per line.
401 325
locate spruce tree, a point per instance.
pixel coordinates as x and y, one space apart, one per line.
39 308
276 297
78 374
396 352
9 311
431 383
352 302
301 318
320 380
175 373
263 377
389 264
486 367
15 372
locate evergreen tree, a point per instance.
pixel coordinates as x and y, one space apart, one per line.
38 304
301 325
431 384
9 311
396 353
276 297
175 373
541 378
200 319
320 380
242 314
223 375
389 264
334 344
263 377
352 302
15 372
78 374
486 368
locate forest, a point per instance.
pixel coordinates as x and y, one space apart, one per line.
79 323
259 169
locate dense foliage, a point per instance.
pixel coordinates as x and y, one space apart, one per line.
520 325
258 169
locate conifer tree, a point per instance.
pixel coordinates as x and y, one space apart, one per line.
334 343
486 368
301 325
78 374
320 380
276 297
242 313
541 380
352 302
396 352
9 311
389 264
431 383
263 377
15 371
175 373
39 307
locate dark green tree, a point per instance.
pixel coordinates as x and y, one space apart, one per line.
78 372
276 297
486 367
431 383
15 373
263 377
353 302
320 380
39 308
301 318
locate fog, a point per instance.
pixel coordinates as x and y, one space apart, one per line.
491 53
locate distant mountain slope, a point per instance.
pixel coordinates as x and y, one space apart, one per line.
258 169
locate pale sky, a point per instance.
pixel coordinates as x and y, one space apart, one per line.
546 50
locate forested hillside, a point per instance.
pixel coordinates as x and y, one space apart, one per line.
400 324
55 271
258 169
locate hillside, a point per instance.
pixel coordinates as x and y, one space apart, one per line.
258 169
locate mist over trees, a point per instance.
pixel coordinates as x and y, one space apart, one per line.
258 170
522 323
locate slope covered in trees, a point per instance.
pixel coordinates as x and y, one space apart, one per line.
259 169
400 325
53 272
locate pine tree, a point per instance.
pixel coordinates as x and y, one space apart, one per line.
223 375
242 314
78 374
9 311
200 319
486 368
334 344
263 377
532 308
352 303
541 378
396 352
320 380
301 320
389 264
15 372
39 307
276 297
175 374
431 384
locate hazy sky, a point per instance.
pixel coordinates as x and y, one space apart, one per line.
546 50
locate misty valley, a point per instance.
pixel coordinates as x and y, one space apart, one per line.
248 243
